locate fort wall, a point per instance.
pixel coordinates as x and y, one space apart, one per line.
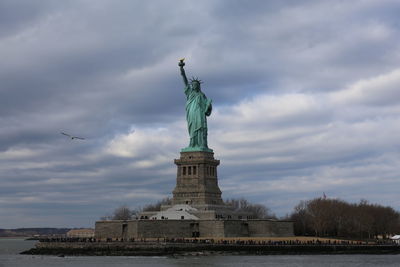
191 228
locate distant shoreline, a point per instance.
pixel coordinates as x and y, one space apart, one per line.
165 249
15 237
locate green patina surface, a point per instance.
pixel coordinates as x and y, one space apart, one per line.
194 149
198 107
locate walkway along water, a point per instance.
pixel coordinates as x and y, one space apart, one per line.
91 246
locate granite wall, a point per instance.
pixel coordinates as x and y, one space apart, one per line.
192 228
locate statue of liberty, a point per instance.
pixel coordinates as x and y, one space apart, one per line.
198 106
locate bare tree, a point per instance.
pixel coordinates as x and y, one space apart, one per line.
123 212
257 211
301 218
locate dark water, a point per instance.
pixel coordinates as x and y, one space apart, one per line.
9 249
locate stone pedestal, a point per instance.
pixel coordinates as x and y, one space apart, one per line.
197 180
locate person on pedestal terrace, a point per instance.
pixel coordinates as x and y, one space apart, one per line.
198 106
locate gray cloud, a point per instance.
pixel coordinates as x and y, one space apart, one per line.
305 101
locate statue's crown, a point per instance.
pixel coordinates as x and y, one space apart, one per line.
195 79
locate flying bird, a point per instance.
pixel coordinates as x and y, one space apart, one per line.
73 137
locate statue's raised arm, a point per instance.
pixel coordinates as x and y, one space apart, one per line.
181 64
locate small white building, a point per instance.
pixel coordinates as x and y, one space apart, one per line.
396 239
177 212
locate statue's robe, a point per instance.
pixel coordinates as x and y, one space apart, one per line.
197 108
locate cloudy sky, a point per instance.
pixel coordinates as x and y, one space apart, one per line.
306 100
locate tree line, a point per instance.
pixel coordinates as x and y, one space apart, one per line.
337 218
321 217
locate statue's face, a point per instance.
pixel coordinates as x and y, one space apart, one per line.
196 86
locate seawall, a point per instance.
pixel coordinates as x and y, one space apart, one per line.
166 248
